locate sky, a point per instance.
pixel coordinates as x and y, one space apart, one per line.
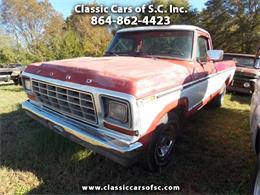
65 7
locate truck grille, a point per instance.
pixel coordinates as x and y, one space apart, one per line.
70 102
238 83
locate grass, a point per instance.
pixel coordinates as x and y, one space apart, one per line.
214 154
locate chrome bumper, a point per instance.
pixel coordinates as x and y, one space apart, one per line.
240 89
85 135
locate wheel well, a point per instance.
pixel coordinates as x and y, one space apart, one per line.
180 111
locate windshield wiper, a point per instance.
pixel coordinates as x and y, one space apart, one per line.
145 55
137 54
111 53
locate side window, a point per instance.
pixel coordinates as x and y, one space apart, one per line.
202 48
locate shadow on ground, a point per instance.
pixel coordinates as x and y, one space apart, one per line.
214 156
241 97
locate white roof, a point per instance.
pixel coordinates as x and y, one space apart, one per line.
170 27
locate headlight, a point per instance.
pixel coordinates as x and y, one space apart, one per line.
116 111
246 84
27 84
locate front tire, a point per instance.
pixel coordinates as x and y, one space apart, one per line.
161 147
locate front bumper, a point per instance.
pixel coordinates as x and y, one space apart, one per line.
240 89
85 135
5 78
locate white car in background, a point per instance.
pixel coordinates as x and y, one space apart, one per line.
255 132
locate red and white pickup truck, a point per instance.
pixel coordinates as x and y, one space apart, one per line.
128 104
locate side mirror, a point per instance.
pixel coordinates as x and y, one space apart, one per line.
215 55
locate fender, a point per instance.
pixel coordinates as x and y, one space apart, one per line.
181 103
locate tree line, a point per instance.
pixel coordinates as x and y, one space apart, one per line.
32 30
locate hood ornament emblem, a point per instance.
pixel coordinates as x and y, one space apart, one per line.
68 77
51 74
88 81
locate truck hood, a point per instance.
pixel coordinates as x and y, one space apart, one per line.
249 72
131 75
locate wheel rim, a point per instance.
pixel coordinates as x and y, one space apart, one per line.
257 184
164 146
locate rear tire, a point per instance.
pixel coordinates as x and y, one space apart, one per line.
218 101
161 147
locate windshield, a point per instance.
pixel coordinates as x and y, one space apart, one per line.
173 44
244 61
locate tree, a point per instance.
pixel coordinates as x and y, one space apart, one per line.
93 39
233 24
185 18
71 45
6 40
246 25
42 34
32 22
217 21
7 47
191 17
